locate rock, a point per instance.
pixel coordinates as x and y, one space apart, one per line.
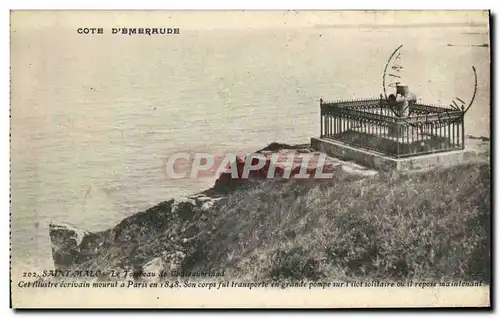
227 180
360 171
274 146
175 260
160 237
201 198
207 205
181 202
72 246
152 270
304 150
172 222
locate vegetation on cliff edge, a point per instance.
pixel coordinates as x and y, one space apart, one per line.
432 225
429 225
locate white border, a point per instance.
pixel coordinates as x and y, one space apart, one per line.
190 5
255 5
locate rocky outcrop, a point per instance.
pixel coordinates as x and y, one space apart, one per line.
129 245
72 246
234 228
164 237
285 168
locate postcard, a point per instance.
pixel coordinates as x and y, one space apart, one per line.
250 159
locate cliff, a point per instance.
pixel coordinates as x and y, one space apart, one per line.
360 223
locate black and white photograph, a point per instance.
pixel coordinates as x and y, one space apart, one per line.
250 159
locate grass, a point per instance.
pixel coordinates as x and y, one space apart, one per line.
432 225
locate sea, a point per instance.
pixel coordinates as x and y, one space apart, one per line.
94 118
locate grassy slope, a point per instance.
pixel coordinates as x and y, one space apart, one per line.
432 225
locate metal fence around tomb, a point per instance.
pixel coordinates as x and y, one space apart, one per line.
372 124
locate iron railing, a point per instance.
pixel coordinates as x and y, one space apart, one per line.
372 124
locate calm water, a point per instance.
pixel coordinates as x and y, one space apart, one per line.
94 118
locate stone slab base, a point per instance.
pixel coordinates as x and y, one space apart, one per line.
382 162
